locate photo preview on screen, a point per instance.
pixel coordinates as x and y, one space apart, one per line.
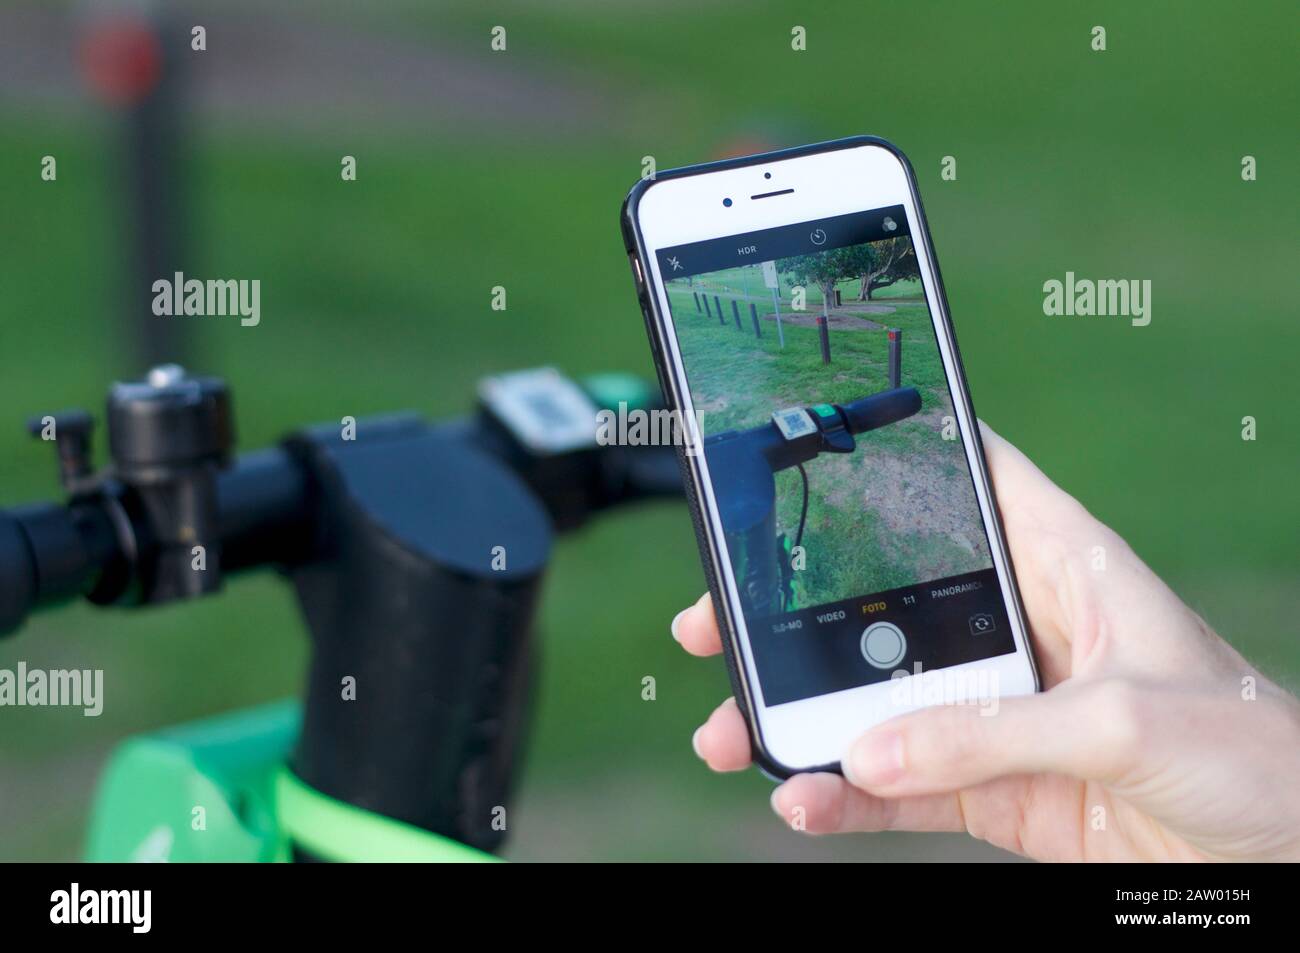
848 545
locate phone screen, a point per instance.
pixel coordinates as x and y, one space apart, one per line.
858 552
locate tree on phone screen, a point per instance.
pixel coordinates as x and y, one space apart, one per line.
894 260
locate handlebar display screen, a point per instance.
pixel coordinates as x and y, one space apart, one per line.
857 544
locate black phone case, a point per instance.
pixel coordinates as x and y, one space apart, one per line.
656 326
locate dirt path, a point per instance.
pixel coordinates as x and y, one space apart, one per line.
839 319
289 73
918 495
848 317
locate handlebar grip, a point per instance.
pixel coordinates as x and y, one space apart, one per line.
17 575
50 553
881 409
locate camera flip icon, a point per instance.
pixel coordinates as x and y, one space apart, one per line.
982 623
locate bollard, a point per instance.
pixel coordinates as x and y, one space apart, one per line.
824 333
735 310
753 313
697 301
895 357
134 61
718 304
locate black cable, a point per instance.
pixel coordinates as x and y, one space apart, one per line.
803 514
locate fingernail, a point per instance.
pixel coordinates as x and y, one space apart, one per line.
874 760
695 742
673 626
776 807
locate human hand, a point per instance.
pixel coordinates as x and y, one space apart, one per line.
1154 739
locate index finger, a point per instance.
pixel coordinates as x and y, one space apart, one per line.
696 628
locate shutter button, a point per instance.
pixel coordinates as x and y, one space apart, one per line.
883 644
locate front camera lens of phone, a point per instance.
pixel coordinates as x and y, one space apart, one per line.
727 202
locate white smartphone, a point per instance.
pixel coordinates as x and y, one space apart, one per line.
838 485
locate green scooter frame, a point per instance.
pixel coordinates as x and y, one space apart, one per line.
219 791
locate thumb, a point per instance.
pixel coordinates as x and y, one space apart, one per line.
1087 731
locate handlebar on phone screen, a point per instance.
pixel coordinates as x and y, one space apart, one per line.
799 434
880 410
94 545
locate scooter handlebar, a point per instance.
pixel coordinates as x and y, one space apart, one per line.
879 410
50 552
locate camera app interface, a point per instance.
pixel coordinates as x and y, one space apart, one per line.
827 422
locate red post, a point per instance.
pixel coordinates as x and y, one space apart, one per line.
895 357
